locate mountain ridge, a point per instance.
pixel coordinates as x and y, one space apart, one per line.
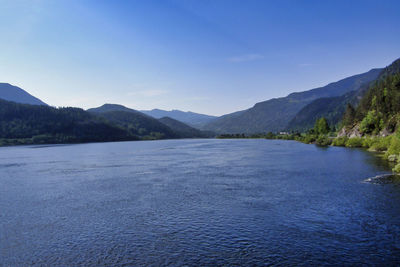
275 114
196 120
135 122
16 94
145 126
334 108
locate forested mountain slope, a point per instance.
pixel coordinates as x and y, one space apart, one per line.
135 122
275 114
23 123
183 130
379 108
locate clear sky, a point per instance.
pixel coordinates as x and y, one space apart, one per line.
208 56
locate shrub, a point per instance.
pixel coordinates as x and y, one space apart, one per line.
340 141
309 138
397 168
354 142
381 144
394 147
369 141
372 123
323 140
42 139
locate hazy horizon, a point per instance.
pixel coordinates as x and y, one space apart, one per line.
210 57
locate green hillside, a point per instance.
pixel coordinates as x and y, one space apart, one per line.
331 108
35 124
135 122
379 108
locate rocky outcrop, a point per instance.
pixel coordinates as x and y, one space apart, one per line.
350 132
356 132
385 132
392 158
342 132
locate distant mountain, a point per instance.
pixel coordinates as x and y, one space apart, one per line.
111 107
184 130
12 93
194 119
275 114
135 122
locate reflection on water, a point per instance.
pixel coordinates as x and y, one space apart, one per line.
196 202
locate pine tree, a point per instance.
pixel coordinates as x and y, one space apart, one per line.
349 115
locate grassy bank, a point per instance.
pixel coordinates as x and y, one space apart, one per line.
389 146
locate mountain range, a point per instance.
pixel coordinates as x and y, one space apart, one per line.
275 114
194 119
145 126
295 112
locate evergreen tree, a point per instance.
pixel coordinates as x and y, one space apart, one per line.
349 115
321 126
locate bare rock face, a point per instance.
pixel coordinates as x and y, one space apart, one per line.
342 132
352 132
355 132
392 158
385 132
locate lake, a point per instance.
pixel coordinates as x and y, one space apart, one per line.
196 202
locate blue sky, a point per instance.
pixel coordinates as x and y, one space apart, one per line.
208 56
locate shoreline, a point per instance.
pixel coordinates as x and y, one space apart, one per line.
387 147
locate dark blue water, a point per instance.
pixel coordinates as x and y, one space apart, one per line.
196 202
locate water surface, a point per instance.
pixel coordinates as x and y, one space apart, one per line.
196 202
